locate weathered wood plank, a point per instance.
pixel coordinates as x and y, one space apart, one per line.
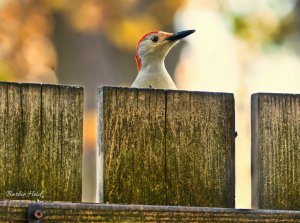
30 139
200 149
275 151
166 147
11 138
41 141
3 111
51 140
15 211
71 99
132 142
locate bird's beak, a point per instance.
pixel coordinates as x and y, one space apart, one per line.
179 35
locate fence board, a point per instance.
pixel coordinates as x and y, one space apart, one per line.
200 149
30 139
275 151
133 140
15 212
10 140
41 142
166 147
3 109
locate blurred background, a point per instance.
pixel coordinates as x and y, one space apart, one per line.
240 46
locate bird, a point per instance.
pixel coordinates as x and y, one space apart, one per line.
151 51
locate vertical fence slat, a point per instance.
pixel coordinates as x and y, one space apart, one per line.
3 110
51 140
11 146
30 139
42 141
275 151
200 149
166 147
132 142
71 144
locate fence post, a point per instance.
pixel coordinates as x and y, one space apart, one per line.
275 151
40 142
166 147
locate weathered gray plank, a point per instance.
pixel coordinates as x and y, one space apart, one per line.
71 144
275 151
3 111
11 145
51 141
30 139
41 141
166 147
200 149
15 211
132 142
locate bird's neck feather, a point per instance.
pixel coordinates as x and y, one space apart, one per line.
155 67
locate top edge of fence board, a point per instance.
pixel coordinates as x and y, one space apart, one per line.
40 84
162 90
275 94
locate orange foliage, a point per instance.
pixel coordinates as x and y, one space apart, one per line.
26 52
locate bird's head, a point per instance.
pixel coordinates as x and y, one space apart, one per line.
154 46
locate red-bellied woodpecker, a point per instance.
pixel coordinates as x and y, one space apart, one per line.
151 51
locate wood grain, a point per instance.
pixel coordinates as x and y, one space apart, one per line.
15 212
41 141
133 146
275 151
10 137
200 149
166 147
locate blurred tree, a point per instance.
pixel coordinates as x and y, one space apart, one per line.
27 27
261 22
26 52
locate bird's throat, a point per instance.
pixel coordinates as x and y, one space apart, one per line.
152 66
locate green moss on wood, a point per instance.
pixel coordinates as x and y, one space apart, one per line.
41 141
275 151
167 147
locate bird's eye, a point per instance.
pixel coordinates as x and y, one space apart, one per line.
154 39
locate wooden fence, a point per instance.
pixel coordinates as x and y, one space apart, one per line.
276 151
163 156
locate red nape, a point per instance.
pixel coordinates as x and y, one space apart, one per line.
137 58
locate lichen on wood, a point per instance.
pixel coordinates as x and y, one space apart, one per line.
275 151
40 141
166 147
